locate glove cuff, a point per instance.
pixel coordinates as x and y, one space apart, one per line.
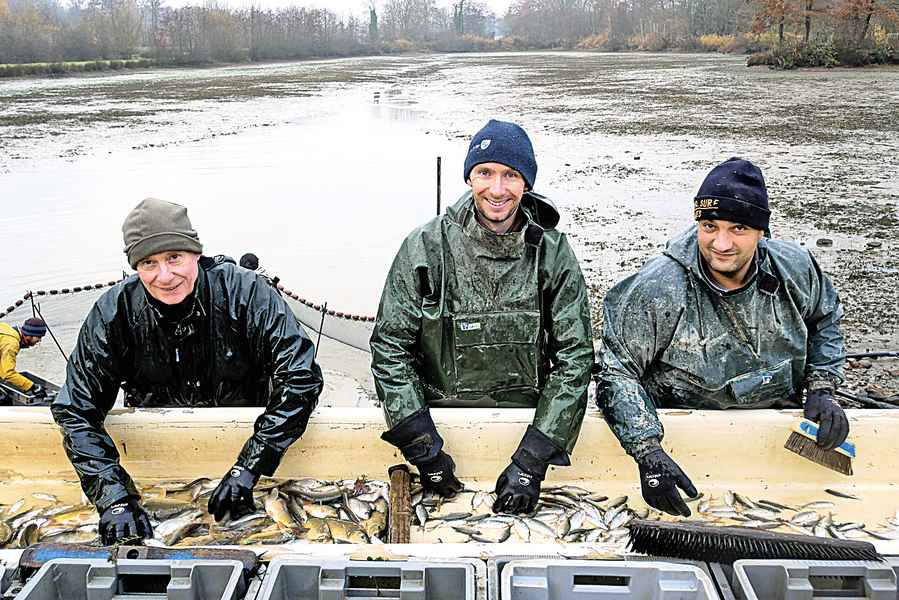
818 394
537 451
821 381
416 437
238 471
259 458
644 448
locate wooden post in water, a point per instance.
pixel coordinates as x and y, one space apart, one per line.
400 510
438 185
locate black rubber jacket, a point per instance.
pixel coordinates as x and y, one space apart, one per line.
239 345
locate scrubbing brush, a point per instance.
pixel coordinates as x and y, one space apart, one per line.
804 442
727 544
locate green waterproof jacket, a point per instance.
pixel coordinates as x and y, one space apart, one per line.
470 318
672 340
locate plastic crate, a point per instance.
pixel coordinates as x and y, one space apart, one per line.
604 580
806 579
5 578
496 564
337 579
723 576
75 579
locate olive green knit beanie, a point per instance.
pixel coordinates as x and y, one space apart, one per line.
158 226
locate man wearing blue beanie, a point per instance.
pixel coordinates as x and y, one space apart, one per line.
725 318
485 306
13 339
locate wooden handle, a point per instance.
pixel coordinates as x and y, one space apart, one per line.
400 510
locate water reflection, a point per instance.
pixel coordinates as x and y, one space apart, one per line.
323 202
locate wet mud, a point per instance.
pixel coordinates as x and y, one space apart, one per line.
623 142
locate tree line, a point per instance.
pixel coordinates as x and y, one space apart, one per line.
119 31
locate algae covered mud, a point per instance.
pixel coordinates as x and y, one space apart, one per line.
322 167
355 511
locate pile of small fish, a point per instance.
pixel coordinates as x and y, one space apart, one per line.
295 510
354 511
566 513
812 518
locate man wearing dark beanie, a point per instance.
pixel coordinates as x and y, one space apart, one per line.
186 330
485 306
725 318
13 339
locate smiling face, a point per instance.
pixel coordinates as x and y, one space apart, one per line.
169 276
497 191
728 249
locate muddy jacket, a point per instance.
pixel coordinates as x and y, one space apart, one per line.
240 345
10 344
470 318
671 340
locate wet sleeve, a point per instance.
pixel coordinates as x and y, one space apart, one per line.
395 338
563 400
8 373
824 367
288 353
629 345
80 408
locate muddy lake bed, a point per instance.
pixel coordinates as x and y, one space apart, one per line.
322 167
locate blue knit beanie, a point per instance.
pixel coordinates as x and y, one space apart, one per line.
734 191
34 327
503 143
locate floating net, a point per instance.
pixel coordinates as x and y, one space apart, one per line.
65 308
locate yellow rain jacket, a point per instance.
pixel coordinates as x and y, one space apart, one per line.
10 342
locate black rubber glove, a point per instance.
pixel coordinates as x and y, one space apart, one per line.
124 521
38 391
417 438
517 491
438 475
234 495
660 477
833 426
518 487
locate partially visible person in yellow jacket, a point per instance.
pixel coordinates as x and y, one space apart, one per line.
12 339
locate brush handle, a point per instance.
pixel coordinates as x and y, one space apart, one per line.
810 430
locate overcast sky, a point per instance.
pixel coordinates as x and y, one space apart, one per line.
341 7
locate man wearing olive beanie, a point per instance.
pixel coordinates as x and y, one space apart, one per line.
185 330
725 318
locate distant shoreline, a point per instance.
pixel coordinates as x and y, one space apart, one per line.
772 59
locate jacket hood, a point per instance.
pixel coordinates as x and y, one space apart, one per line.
539 209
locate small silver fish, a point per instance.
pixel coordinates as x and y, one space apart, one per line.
620 520
467 530
840 494
617 501
421 513
774 505
45 497
361 509
817 505
480 499
456 516
739 499
170 532
806 517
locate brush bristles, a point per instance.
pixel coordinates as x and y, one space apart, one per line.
728 544
808 448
